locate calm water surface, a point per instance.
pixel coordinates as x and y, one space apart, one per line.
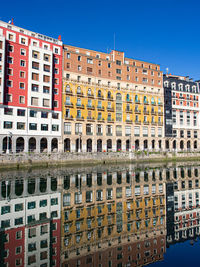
124 215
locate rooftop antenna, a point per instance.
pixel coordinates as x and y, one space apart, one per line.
167 69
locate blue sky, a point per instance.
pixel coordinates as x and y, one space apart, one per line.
158 31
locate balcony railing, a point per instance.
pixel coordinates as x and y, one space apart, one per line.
79 118
110 109
80 106
90 95
69 117
100 108
90 119
68 92
137 111
70 105
91 107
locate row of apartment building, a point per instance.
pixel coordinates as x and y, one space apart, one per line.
106 217
57 97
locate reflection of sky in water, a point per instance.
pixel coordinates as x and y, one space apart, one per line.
182 254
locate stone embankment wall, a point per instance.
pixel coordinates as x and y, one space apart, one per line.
24 160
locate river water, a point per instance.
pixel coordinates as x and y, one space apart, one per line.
116 215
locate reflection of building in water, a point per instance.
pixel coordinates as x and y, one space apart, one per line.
30 222
183 209
114 217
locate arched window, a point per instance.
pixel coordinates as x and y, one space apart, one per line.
89 91
194 89
180 87
152 100
166 84
99 93
118 97
145 99
78 90
109 94
67 88
159 101
127 97
173 85
136 98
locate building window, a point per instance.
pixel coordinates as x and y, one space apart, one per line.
55 127
20 125
9 83
55 104
34 101
33 126
44 127
8 125
67 128
23 52
22 74
46 102
22 63
21 85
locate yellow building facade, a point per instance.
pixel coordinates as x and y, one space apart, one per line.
110 115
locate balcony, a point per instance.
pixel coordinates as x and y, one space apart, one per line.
109 134
160 104
110 120
79 93
146 122
100 108
154 123
89 133
91 107
153 113
129 121
153 103
100 119
160 113
69 105
99 134
118 133
137 111
160 123
110 109
129 110
68 92
146 112
129 100
79 118
69 117
110 98
80 106
90 95
137 101
137 122
90 119
146 103
100 97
